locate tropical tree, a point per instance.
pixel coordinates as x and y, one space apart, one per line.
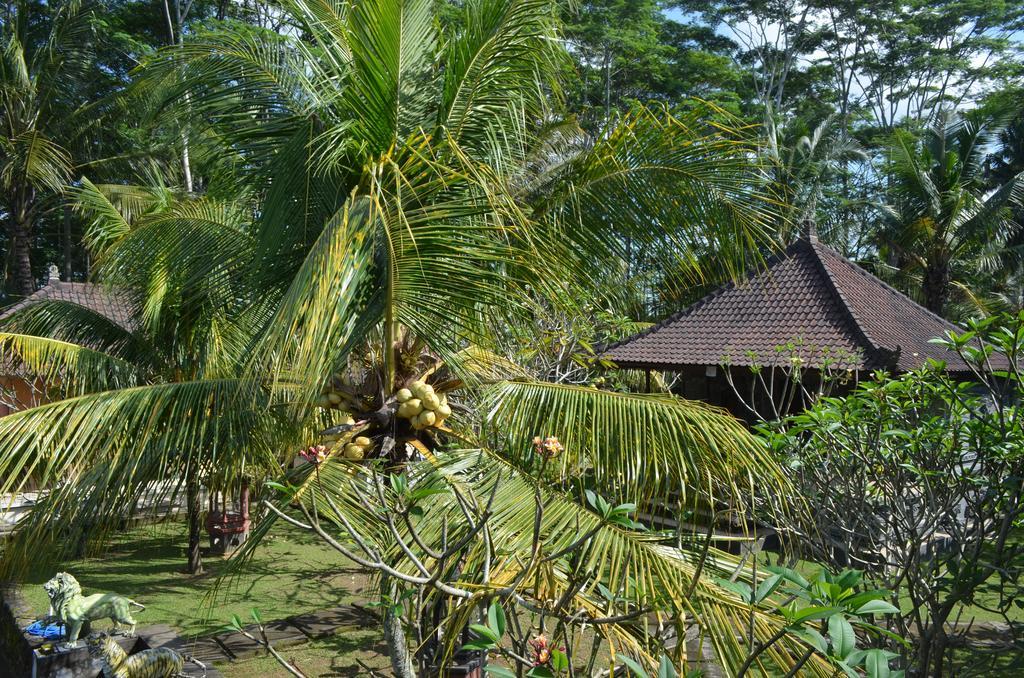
416 189
127 397
46 54
805 166
945 222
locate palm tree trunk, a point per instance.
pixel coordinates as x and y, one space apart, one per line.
65 241
195 528
21 280
935 287
394 634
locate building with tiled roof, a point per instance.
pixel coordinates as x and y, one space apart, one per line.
808 305
110 304
18 389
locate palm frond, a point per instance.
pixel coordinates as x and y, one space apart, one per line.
503 49
99 453
390 86
619 563
74 369
76 324
642 445
111 209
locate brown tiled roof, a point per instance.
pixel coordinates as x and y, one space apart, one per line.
102 300
808 302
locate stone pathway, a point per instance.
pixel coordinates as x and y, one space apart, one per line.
233 646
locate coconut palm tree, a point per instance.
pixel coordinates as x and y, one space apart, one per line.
166 256
46 54
802 165
414 190
946 222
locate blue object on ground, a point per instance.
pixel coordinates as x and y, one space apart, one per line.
49 632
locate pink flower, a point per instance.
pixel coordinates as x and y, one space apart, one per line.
548 447
314 454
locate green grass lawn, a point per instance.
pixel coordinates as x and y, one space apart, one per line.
333 656
291 573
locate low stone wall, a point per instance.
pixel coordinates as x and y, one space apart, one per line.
15 652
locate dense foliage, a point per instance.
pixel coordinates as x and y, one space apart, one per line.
916 480
393 234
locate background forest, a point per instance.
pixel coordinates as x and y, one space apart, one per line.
855 106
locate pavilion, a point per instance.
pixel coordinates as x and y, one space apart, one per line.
809 309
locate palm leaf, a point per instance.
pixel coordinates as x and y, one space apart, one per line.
642 446
75 369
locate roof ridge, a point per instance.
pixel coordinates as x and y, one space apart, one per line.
833 284
874 278
749 275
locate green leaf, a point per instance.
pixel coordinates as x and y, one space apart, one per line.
743 590
496 618
631 664
813 638
499 671
665 668
559 660
789 574
877 607
477 645
814 612
876 664
486 632
766 587
844 640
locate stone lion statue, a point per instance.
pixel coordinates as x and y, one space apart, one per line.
160 662
71 608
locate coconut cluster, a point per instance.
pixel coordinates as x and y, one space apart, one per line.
358 448
422 406
355 449
329 400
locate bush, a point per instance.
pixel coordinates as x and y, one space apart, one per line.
917 480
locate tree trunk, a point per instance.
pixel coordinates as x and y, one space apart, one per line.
394 634
195 526
935 287
65 241
21 281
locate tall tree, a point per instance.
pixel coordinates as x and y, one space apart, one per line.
47 53
413 193
637 51
945 223
177 263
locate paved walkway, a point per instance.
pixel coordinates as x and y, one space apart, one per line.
233 646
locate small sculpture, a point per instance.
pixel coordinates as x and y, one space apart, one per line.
74 610
159 662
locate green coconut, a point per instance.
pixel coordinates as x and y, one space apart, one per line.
431 401
335 398
403 395
426 418
410 408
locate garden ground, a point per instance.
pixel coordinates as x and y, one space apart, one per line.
291 573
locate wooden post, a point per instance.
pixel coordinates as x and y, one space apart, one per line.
647 380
